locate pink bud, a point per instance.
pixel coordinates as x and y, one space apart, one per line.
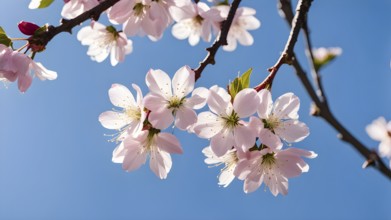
27 28
66 1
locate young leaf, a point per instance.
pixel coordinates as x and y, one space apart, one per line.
34 4
240 83
4 39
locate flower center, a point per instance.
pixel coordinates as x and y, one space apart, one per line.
198 19
133 113
232 120
268 159
139 9
149 144
175 103
271 123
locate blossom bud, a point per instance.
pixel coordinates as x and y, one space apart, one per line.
27 28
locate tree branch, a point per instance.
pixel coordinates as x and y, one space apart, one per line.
323 110
286 56
68 25
221 41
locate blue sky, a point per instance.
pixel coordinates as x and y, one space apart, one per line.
55 160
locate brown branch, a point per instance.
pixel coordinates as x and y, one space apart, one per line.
221 41
286 56
68 25
323 110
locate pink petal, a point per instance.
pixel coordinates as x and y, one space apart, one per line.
155 102
185 117
245 137
246 102
292 131
161 119
119 153
158 164
269 139
168 143
222 142
250 186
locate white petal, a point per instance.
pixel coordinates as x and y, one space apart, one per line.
208 125
246 102
113 120
183 82
159 82
377 130
218 103
120 96
119 153
287 106
266 104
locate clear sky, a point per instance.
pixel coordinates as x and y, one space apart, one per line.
55 160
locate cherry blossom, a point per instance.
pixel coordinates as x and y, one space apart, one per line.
103 41
17 66
128 120
280 120
222 124
73 8
142 17
195 21
165 103
243 21
157 145
229 160
322 53
273 167
380 130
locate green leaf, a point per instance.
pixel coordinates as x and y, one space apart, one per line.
2 30
246 78
4 39
45 3
240 83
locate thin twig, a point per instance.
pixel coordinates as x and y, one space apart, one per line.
323 110
221 41
286 56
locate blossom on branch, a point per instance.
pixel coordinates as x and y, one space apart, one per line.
167 99
272 167
280 119
243 21
223 124
74 8
380 130
129 120
103 41
157 145
17 66
142 17
195 21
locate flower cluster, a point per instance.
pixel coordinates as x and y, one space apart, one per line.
18 66
380 130
151 18
251 150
